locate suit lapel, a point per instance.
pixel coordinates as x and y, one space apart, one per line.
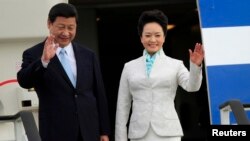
56 64
56 67
78 62
158 63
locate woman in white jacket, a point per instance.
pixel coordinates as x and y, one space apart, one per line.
149 85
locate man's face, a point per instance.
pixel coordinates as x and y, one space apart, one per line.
64 30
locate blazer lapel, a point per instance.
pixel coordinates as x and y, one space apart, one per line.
158 62
56 64
77 57
57 68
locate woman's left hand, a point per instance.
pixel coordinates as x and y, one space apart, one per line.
197 55
104 138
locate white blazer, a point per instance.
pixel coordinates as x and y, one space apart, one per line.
153 96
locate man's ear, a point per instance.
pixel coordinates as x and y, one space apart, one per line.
49 25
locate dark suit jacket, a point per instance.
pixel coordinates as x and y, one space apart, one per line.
65 111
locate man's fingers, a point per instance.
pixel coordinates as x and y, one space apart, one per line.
56 46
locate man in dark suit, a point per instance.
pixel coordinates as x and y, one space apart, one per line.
72 105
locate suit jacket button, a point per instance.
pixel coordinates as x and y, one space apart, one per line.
76 95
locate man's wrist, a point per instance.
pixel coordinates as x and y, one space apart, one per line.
45 63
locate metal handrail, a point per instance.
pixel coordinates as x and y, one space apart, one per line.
238 110
28 123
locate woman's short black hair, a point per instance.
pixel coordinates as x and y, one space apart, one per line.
63 10
152 16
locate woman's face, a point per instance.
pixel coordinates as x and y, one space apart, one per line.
152 37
